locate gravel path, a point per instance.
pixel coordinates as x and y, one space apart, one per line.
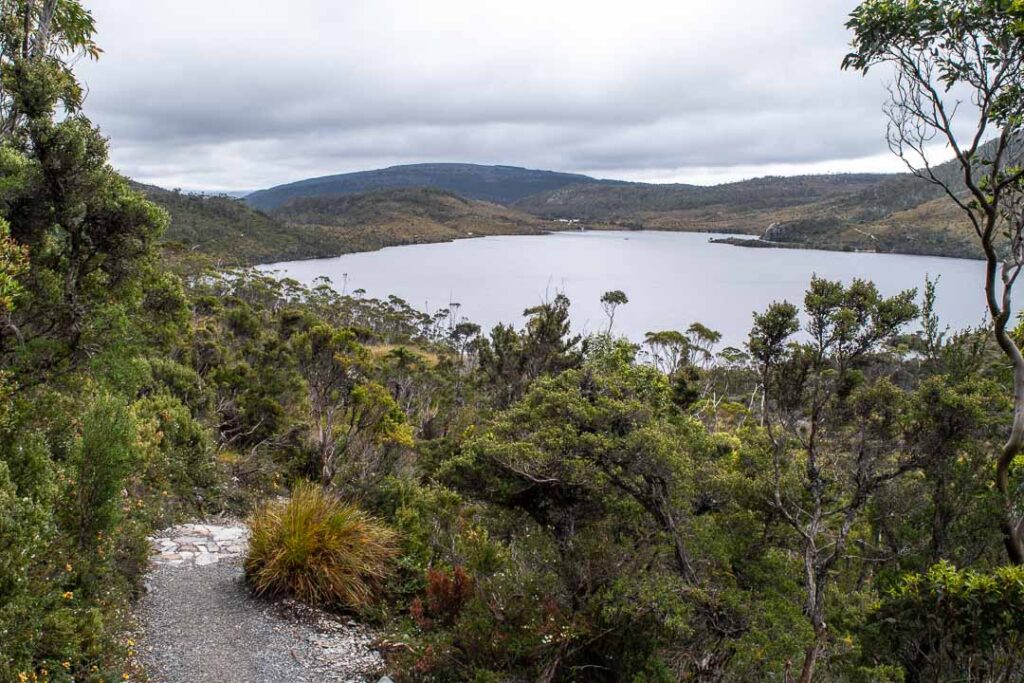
200 624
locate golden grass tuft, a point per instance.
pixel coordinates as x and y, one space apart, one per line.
318 549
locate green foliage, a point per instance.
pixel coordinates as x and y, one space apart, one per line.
176 461
101 460
89 243
949 624
318 549
13 264
80 306
551 507
511 359
607 476
68 567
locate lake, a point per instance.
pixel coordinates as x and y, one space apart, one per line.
672 279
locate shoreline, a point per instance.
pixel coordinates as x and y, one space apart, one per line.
761 243
743 240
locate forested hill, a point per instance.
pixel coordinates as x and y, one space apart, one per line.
901 214
372 220
625 201
230 231
328 216
501 184
865 211
234 233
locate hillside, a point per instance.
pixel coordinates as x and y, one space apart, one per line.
868 212
643 202
499 184
901 214
437 202
234 233
373 220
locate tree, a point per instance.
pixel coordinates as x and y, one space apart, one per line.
702 339
669 349
347 410
511 359
612 477
52 33
89 235
611 301
832 425
959 80
950 625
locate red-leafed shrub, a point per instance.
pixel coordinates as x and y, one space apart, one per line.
447 593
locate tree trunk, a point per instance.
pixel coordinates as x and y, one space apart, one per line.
810 660
999 309
1011 526
816 577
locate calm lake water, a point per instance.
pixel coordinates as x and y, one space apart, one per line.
671 279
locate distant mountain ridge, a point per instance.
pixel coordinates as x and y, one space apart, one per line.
625 201
498 184
367 210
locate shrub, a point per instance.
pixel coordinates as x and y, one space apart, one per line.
102 460
318 549
447 593
951 624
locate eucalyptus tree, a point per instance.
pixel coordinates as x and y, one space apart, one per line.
53 33
958 81
610 301
831 418
668 349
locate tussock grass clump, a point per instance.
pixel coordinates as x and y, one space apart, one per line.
318 549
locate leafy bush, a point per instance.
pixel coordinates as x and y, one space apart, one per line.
319 549
949 624
102 461
71 546
447 594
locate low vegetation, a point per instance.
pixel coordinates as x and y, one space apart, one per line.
837 500
318 549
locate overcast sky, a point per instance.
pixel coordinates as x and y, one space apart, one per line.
244 94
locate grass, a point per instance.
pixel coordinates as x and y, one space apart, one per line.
319 549
383 350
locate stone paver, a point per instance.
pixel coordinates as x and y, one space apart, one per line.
199 545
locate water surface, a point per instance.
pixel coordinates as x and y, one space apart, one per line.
672 279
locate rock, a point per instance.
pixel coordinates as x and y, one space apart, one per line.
198 545
203 559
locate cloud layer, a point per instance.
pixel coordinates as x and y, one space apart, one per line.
234 95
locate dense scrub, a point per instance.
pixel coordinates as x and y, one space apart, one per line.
533 505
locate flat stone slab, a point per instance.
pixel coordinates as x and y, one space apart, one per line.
199 545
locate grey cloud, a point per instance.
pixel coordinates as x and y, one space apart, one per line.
238 95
